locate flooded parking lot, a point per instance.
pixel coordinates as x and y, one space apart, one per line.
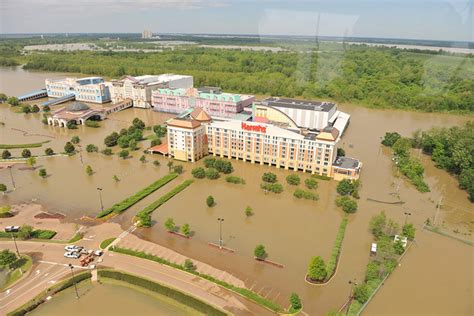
292 230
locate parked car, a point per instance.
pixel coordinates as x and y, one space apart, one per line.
72 255
73 248
98 252
12 229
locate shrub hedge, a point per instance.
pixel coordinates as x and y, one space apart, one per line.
336 250
37 234
302 194
242 291
235 180
131 200
176 295
153 206
41 298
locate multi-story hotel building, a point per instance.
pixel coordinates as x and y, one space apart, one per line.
261 143
91 89
187 140
140 88
211 100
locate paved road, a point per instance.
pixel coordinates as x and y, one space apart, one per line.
52 266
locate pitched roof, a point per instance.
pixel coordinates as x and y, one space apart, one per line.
184 123
200 115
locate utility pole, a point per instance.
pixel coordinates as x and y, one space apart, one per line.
11 176
74 281
406 217
438 206
221 242
352 284
100 198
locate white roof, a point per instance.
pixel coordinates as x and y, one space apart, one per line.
157 79
271 130
341 122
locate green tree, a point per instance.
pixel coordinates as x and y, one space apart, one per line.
317 269
178 169
295 302
116 179
6 154
402 147
124 153
260 252
361 293
398 247
144 219
169 224
189 265
293 179
377 224
26 153
111 140
347 204
46 108
143 158
42 173
89 170
25 232
408 231
186 230
372 272
107 151
91 148
13 101
169 164
209 162
212 174
210 201
69 148
3 188
49 151
137 123
156 163
248 211
3 97
198 172
31 162
71 125
345 187
123 141
341 152
155 142
390 139
132 144
311 183
25 109
7 258
269 177
35 108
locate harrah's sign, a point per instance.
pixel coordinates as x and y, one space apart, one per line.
254 128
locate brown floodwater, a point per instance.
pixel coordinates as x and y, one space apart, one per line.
111 299
292 230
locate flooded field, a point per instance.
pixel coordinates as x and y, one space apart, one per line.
108 299
292 230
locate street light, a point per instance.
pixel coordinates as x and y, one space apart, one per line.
352 284
406 216
11 176
74 281
100 198
220 220
13 230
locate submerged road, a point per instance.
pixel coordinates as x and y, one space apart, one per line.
53 266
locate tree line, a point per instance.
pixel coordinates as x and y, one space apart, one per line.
377 77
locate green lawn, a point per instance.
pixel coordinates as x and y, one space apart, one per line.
16 274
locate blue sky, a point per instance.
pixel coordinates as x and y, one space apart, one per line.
427 19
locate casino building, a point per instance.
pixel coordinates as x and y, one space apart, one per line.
191 138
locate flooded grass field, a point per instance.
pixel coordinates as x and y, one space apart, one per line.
292 230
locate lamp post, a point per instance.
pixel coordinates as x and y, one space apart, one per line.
406 216
11 230
352 284
74 281
220 220
100 198
11 176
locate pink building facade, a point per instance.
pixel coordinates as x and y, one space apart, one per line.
215 103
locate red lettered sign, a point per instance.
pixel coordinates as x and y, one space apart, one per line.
254 128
